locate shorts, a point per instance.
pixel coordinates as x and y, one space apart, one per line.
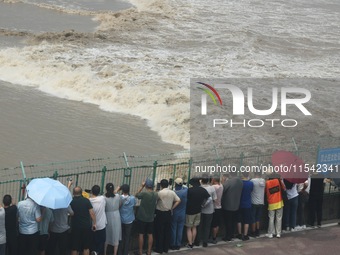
217 218
81 239
192 220
144 227
244 215
256 213
43 241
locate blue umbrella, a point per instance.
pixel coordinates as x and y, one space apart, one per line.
49 193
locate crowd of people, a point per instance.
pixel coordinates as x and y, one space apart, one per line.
202 206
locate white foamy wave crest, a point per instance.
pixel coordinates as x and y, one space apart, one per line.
151 5
11 1
64 9
146 12
115 87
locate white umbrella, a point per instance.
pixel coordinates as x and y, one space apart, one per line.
49 193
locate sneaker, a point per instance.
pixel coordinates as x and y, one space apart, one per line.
239 236
214 241
252 234
245 238
94 253
205 245
278 236
269 235
190 246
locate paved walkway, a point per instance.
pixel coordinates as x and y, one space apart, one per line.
318 241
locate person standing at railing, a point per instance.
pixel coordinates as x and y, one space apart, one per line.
114 225
257 203
2 231
59 231
198 197
217 215
83 222
47 219
178 215
207 211
98 202
29 215
303 190
274 188
146 214
127 216
167 201
232 189
11 211
317 186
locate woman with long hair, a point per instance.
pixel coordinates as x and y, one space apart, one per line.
113 227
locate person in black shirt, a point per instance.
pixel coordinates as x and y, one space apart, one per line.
11 225
197 197
81 223
316 199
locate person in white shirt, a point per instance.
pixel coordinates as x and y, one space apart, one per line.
290 207
303 190
257 203
98 203
2 231
217 215
167 201
207 211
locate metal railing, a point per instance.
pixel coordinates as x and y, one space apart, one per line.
134 170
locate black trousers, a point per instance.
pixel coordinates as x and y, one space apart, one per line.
315 208
58 242
28 244
12 243
162 231
229 224
205 226
123 248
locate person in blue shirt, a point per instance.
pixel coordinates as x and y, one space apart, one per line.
178 215
244 213
127 216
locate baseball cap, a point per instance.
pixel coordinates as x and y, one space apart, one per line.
149 183
179 181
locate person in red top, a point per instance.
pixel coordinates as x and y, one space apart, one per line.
273 190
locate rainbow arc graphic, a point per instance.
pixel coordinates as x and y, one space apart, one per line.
212 93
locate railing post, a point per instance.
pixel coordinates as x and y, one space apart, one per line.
55 175
127 171
103 180
241 162
173 176
189 170
24 181
154 171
